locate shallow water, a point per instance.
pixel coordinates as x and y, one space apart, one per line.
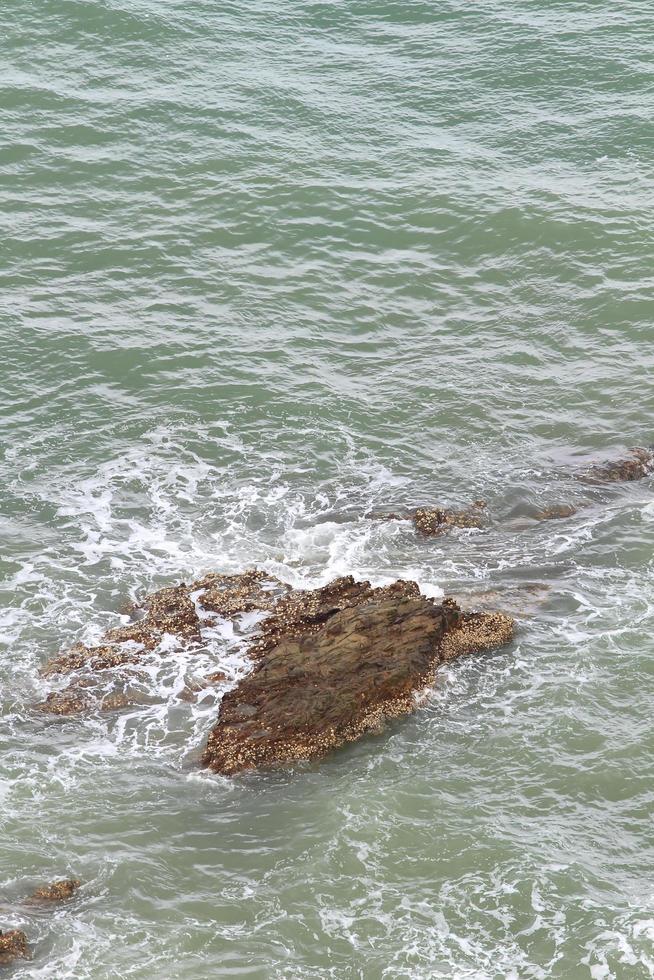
270 268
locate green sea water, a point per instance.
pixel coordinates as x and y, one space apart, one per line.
267 268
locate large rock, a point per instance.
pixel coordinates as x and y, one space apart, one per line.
331 663
336 666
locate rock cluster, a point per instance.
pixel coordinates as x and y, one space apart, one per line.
331 663
435 520
14 943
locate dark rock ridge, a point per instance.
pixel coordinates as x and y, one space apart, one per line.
333 664
13 946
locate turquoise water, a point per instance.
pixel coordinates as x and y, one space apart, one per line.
269 268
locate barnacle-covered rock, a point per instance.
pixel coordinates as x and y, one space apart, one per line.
432 521
555 512
168 611
229 595
331 662
56 891
360 658
637 465
306 611
13 946
72 700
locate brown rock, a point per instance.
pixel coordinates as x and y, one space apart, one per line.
57 891
432 521
318 687
13 946
639 464
334 661
71 701
306 611
217 677
555 512
229 595
170 610
91 658
167 611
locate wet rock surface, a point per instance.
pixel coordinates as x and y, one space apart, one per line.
56 891
433 521
338 662
331 663
229 595
13 946
100 685
169 611
303 612
555 512
637 465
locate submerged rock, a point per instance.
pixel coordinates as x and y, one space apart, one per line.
523 600
56 891
13 946
169 611
555 512
337 665
431 521
639 464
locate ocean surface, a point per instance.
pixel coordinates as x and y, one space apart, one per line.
269 268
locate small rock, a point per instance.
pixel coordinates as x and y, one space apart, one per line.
432 521
57 891
555 512
13 946
638 465
218 677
